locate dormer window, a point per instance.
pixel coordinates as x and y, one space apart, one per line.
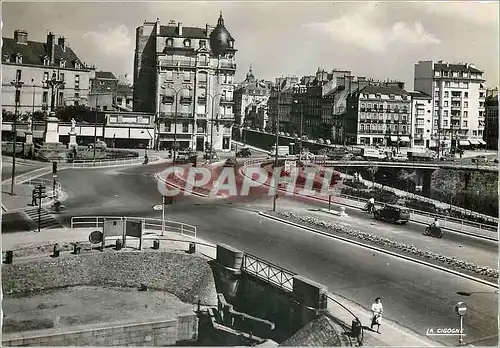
202 43
77 65
391 96
187 43
46 61
19 58
170 42
379 96
6 58
231 43
62 63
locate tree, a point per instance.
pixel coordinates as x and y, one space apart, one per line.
78 112
373 170
406 177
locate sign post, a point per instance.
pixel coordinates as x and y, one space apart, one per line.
163 203
461 309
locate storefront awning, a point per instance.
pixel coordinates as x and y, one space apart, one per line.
405 139
464 143
482 142
393 138
474 142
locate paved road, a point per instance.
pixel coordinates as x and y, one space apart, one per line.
20 169
414 296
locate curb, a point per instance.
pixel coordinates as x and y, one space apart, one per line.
355 207
182 189
478 280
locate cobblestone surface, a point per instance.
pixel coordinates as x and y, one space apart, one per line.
471 268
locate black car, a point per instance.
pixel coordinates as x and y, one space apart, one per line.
244 152
392 213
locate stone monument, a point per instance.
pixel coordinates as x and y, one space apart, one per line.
72 136
28 143
52 149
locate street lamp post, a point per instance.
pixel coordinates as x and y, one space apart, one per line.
212 124
18 84
33 105
95 120
152 142
300 127
275 196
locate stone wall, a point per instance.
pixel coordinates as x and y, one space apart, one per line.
189 277
160 332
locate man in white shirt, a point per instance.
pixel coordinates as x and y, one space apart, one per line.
377 310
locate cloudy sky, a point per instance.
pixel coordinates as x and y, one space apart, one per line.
374 39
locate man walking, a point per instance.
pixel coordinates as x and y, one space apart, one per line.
377 310
33 197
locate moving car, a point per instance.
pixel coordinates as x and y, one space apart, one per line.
230 162
184 157
392 213
399 157
210 155
479 159
244 152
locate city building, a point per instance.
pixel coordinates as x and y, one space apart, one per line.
103 88
421 119
281 94
379 114
185 75
52 73
491 119
251 98
124 97
458 99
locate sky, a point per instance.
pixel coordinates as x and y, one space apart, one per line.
381 40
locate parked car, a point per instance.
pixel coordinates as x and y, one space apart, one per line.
320 141
184 157
305 138
479 159
230 162
392 213
244 152
210 155
399 157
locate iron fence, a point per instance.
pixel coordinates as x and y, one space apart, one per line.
268 271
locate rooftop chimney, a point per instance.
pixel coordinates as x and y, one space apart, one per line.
207 29
179 28
21 36
61 42
51 47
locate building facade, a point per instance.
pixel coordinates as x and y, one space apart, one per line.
280 105
35 63
491 119
458 99
102 91
379 115
421 119
185 75
251 98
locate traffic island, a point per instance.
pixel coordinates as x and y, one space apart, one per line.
462 266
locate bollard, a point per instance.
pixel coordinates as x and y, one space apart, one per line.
57 250
119 244
9 255
192 248
156 244
77 248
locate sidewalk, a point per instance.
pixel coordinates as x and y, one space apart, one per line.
391 334
170 240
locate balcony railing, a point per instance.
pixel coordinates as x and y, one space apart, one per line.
167 99
199 115
202 100
224 65
186 99
185 115
226 101
455 106
456 98
179 63
226 117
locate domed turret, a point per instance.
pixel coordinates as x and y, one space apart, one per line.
220 38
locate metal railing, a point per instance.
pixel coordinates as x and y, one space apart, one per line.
416 215
104 162
268 271
149 224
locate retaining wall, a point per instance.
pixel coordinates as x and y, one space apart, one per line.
160 332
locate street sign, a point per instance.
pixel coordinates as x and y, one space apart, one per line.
157 207
95 237
461 308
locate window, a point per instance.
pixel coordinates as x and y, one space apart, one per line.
187 43
474 133
77 95
420 121
466 94
446 94
437 73
169 75
185 127
19 59
202 43
447 84
466 104
420 111
455 74
445 113
465 123
46 61
202 77
445 123
187 76
77 81
231 43
105 107
45 76
61 77
62 63
45 97
18 75
170 42
119 100
466 113
168 126
445 103
436 103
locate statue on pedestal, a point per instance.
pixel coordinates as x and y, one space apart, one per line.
30 124
73 125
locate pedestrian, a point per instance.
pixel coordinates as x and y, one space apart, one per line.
33 197
377 310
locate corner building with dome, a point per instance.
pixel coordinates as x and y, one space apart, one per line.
185 76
